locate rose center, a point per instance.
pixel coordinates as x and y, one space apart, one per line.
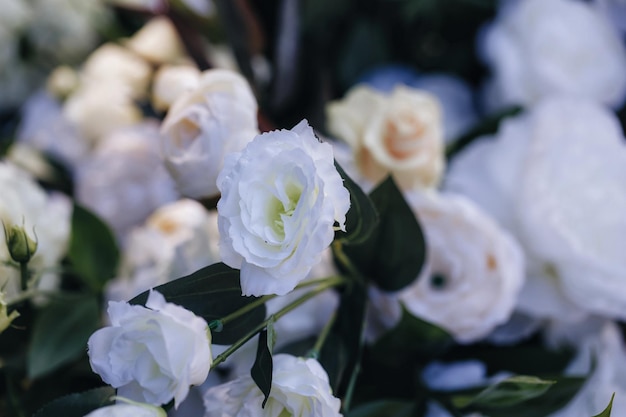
402 134
282 210
188 131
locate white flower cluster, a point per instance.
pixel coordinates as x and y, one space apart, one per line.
54 31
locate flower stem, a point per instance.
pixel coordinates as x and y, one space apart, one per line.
345 261
319 343
323 286
24 275
217 324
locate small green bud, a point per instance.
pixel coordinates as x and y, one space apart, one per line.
21 246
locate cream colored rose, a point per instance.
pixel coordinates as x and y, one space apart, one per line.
171 82
157 42
203 126
399 134
114 64
176 240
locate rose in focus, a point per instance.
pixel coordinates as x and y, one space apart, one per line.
152 354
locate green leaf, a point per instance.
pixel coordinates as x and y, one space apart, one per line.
60 333
93 250
412 339
384 408
510 392
362 217
607 410
263 365
395 252
524 401
341 354
212 292
78 405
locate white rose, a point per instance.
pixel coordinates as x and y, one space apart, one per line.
124 180
204 125
65 30
98 109
400 134
556 178
45 218
128 410
300 388
113 64
157 42
176 240
473 273
172 81
152 354
542 48
280 198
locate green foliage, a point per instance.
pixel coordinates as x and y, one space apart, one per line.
341 353
212 292
411 340
519 396
60 333
362 217
261 371
78 405
608 409
394 253
93 250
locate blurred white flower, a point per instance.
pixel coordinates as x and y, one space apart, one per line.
203 126
152 354
113 64
176 240
300 388
399 134
280 199
124 181
128 410
473 273
615 11
171 82
96 110
157 42
65 30
46 219
62 82
31 160
542 48
603 354
43 126
556 178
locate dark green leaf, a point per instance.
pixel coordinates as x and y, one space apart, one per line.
263 365
553 399
362 217
488 126
394 253
78 405
412 339
212 293
510 392
341 354
93 251
384 408
60 334
607 410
